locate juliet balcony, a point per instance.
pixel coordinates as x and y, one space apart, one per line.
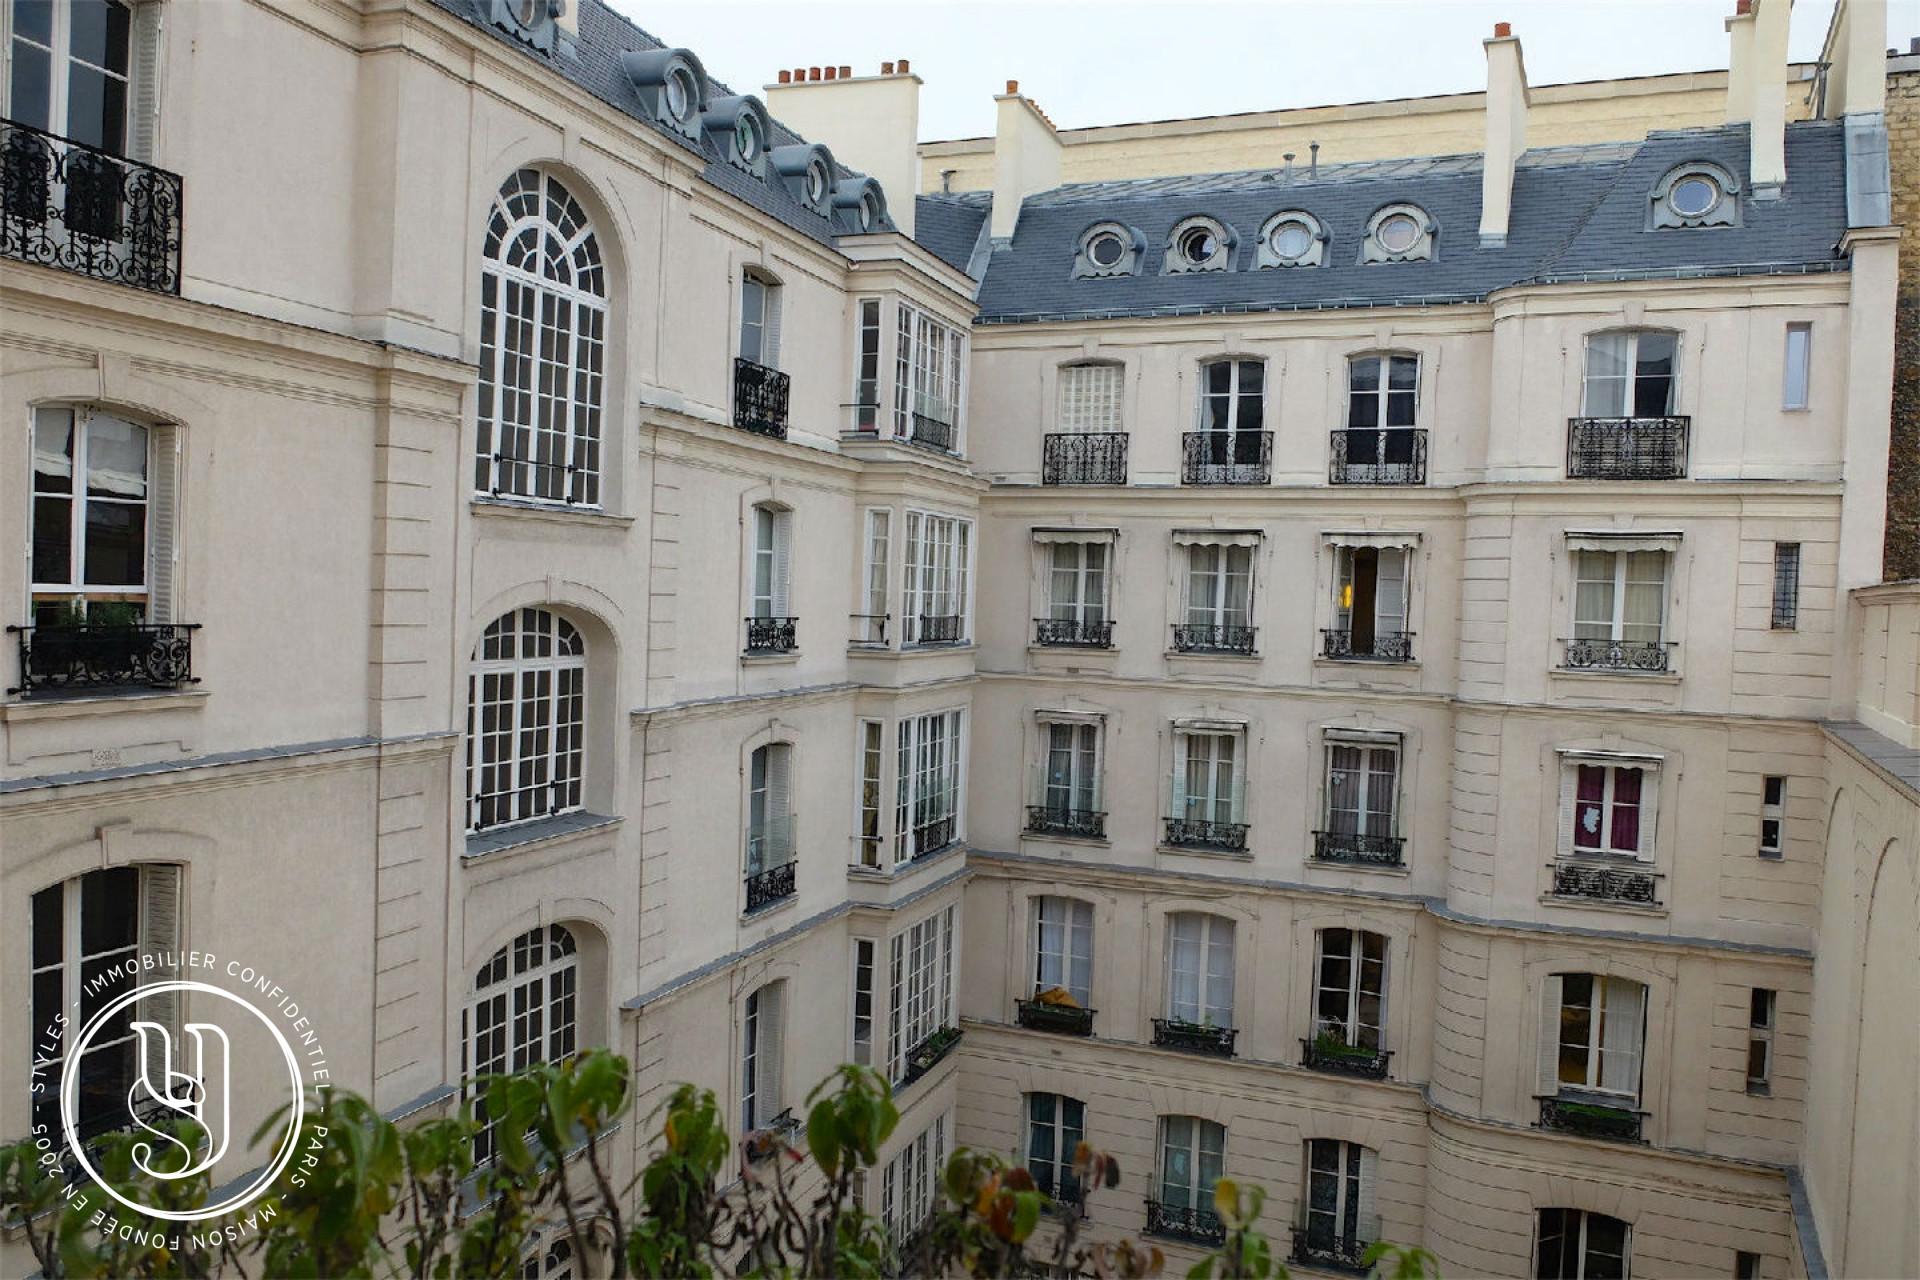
1060 1019
71 207
92 657
930 432
1390 455
1201 1038
1319 1245
1195 1225
1226 457
1073 633
1198 833
1084 457
772 635
1329 1051
1213 637
760 399
1627 448
1591 1117
1633 656
1604 881
1342 644
1051 820
1354 848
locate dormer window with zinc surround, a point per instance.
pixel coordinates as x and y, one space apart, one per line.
1292 239
1695 194
1108 249
738 127
1398 233
672 86
1199 244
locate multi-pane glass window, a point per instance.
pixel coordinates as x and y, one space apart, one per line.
1192 1157
90 514
927 371
543 321
1363 782
1601 1031
81 928
872 735
1786 586
1233 398
1200 969
1063 947
1070 785
1370 600
1620 596
862 1031
1207 774
910 1182
525 1011
526 719
769 808
1573 1244
759 320
772 536
866 371
1799 360
1219 585
870 627
761 1037
1340 1193
920 978
1077 581
1773 811
555 1262
1350 985
1630 373
1056 1124
1611 810
938 592
1761 1012
927 802
1375 401
70 70
1090 397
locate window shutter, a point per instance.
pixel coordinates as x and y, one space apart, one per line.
163 505
1178 793
143 112
782 542
1368 1228
779 801
1390 592
160 931
768 1102
1622 1035
770 327
1549 1047
1563 843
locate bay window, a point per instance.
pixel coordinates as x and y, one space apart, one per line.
910 1183
927 803
928 380
920 980
938 599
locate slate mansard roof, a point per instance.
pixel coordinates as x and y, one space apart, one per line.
1578 212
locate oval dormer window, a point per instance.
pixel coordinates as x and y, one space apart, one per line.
816 183
1698 193
1399 233
746 138
1106 249
1694 196
869 213
680 93
1199 244
1291 240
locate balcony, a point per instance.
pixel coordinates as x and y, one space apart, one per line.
1325 1249
930 838
1355 849
1226 457
80 657
1617 655
1627 448
1084 457
1394 455
1330 1052
767 1140
1049 820
70 207
926 1055
1073 633
1210 637
1341 645
1060 1019
1197 833
1604 882
868 630
931 433
772 635
776 884
760 399
1196 1226
1202 1038
1569 1113
936 628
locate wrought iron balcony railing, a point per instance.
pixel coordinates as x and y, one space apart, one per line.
1199 1226
772 635
930 838
760 398
1387 455
1383 646
1046 819
931 433
71 207
775 884
869 629
1065 1020
936 628
1627 448
1359 849
1226 457
1073 633
1084 457
1566 1113
1618 655
68 658
769 1137
1330 1053
1194 1037
1198 833
1210 637
1328 1250
1605 882
926 1055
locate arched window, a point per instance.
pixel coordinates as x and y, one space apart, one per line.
1200 974
526 719
1349 994
543 320
1573 1244
525 1011
761 1050
1339 1212
1056 1125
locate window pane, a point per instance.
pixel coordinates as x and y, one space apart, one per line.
53 541
108 908
116 551
32 88
1799 343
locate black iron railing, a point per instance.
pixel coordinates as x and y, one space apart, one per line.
1605 882
1065 1020
926 1055
1355 847
1194 1037
1595 1119
775 884
1197 833
1329 1251
69 206
1627 448
931 433
1073 633
1084 457
1390 455
1328 1052
1617 655
931 837
937 628
770 1137
868 628
1382 646
772 635
65 658
1226 457
1199 1226
760 398
1212 637
1046 819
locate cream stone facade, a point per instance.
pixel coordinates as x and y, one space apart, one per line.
632 574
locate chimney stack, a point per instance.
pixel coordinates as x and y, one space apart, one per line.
870 123
1506 132
1026 158
1767 117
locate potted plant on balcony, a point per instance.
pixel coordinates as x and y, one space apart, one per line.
922 1057
1055 1009
1331 1042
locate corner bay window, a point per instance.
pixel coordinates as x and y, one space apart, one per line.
525 1011
920 979
928 380
910 1187
938 598
927 801
526 719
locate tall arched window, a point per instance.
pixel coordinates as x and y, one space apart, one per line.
526 719
543 319
525 1011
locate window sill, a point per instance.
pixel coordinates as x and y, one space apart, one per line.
1204 655
1194 851
1603 904
958 646
781 658
538 834
769 910
1049 837
1615 673
1077 650
902 870
1403 868
100 702
1366 664
514 509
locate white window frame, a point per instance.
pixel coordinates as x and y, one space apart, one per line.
61 56
920 983
760 299
1763 1020
1571 819
1797 371
1221 575
1346 603
867 367
1632 376
1080 783
1371 780
153 521
769 577
525 1004
1207 967
1207 804
1613 1052
939 574
1353 1027
1050 1144
1615 624
762 1050
929 369
1078 591
1773 815
875 589
910 1183
870 761
1063 946
930 780
770 840
1090 399
1580 1272
1355 1178
1384 391
545 698
1203 1144
864 997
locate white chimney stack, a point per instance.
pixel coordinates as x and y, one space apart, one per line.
1506 132
870 123
1767 117
1740 64
1026 157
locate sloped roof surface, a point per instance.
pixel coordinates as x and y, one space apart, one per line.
949 226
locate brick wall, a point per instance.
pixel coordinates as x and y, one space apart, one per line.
1903 490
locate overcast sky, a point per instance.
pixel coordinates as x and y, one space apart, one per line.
1091 62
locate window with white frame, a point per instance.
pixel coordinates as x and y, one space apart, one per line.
762 1039
770 843
927 802
1593 1035
1056 1124
1619 608
1363 788
81 928
920 978
1370 599
1233 398
866 371
1209 774
1190 1160
1063 947
524 1011
543 322
74 72
1762 1007
1773 811
870 627
526 719
552 1262
1090 398
927 376
759 318
1077 581
910 1182
1067 791
1200 969
103 518
1608 807
1380 442
938 599
1341 1178
862 1031
1219 593
772 538
1630 373
1350 988
872 760
1799 362
1574 1244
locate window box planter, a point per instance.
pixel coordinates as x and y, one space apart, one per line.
1563 1113
1060 1019
926 1055
1328 1052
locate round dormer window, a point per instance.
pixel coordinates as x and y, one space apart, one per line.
1398 233
528 12
1105 250
1198 245
680 93
869 212
1694 196
1291 240
746 138
816 182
